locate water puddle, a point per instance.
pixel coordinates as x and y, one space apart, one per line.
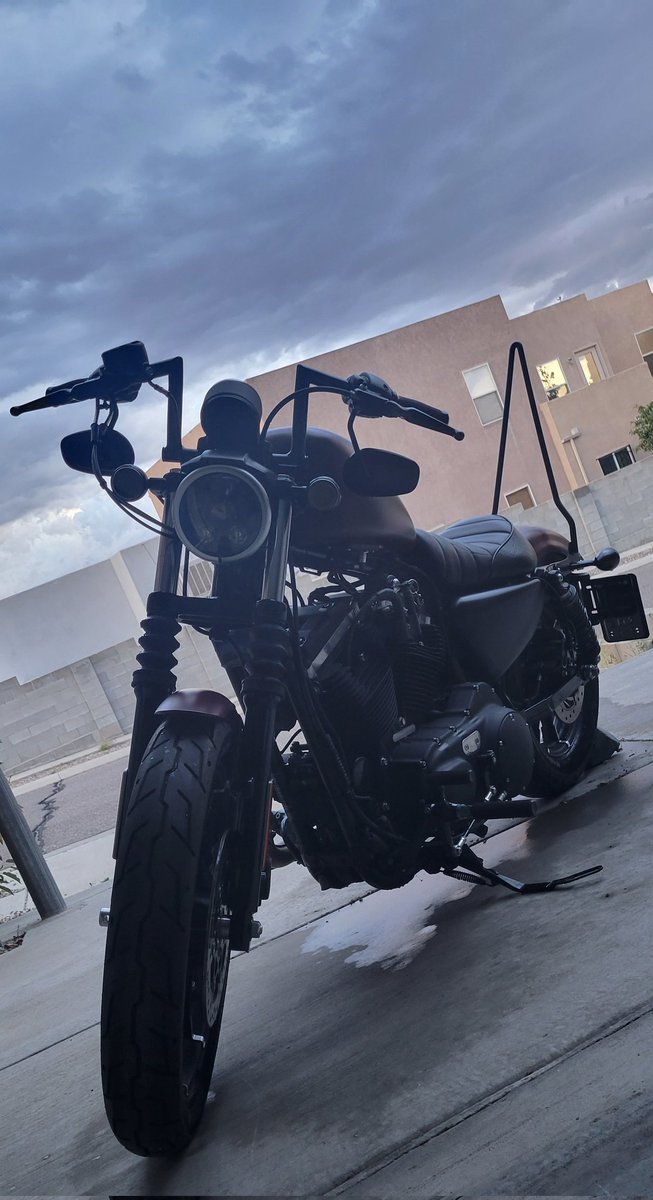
386 928
389 929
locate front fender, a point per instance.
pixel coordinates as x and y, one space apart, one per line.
199 702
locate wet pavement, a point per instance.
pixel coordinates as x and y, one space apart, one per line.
440 1039
370 1049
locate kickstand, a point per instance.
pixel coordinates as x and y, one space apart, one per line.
472 870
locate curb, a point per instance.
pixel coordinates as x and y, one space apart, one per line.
64 768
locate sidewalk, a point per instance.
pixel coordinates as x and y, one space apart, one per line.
75 867
64 768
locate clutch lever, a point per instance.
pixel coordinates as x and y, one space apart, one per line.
416 416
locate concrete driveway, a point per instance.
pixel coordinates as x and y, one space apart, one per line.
442 1039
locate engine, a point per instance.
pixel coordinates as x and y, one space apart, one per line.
406 722
474 748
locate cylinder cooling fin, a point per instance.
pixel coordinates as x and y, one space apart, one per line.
377 661
420 671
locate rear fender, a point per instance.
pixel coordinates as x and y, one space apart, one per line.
549 545
199 702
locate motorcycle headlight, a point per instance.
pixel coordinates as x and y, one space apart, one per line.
221 513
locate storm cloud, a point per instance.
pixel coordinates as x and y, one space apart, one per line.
246 184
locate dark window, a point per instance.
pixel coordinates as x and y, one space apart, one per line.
645 343
616 460
522 495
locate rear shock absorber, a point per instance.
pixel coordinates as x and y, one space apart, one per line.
572 608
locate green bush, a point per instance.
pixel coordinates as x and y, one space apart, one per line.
642 427
8 876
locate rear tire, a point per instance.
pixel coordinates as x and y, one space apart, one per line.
564 645
562 749
168 941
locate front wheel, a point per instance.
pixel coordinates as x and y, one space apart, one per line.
168 942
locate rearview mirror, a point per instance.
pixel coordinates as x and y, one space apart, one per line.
113 451
371 472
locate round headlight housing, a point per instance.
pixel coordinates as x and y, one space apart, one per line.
222 513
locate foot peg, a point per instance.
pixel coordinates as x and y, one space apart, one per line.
473 870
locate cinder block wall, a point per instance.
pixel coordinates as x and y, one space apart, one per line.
89 702
624 501
56 715
615 511
114 669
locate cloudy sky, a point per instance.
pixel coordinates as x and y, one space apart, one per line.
246 182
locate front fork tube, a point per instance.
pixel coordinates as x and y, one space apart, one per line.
154 678
263 689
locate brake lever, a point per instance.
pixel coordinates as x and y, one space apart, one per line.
64 387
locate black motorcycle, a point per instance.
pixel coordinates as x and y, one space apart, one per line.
425 682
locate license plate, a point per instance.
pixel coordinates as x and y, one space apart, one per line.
616 605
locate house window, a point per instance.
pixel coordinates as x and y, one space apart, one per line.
616 460
645 343
485 394
522 495
553 379
590 364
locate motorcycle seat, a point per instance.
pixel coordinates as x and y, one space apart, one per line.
474 553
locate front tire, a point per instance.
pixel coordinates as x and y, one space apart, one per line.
168 941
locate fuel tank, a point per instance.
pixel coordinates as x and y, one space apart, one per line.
358 520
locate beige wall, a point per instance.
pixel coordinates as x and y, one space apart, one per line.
592 411
619 315
426 361
558 332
